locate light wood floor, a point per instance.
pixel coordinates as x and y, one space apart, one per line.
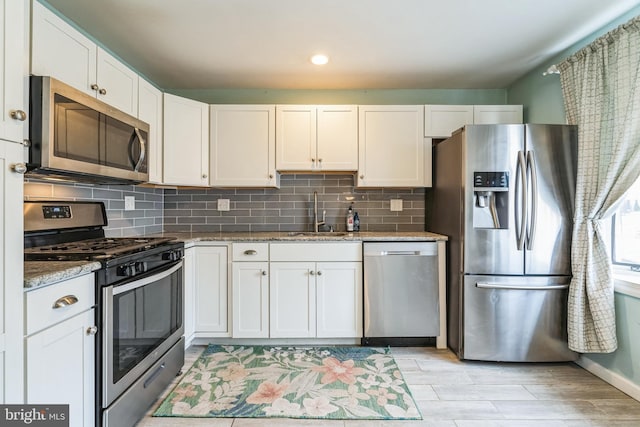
451 393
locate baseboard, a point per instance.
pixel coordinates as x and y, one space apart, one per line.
618 381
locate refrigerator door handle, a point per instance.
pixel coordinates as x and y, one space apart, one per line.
531 227
520 288
521 200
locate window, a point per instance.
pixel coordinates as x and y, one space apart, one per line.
625 232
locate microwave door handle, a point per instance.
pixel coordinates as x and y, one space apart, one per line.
143 149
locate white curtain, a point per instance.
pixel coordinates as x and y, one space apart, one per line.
601 88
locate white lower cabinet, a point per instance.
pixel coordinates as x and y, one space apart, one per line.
292 300
211 296
250 283
60 348
338 299
322 299
297 290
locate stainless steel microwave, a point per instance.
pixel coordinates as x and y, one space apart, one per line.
76 137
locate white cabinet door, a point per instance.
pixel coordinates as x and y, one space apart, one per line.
186 141
497 114
11 275
250 282
118 84
60 367
295 137
189 277
441 120
339 299
337 138
211 313
243 148
150 111
60 51
14 82
391 146
292 300
316 138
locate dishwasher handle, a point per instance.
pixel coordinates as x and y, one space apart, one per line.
402 253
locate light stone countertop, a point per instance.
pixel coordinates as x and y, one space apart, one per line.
292 236
42 273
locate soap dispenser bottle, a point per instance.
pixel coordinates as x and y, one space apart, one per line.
350 218
356 222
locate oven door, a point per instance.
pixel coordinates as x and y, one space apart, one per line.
141 320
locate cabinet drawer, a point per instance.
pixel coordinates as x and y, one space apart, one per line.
250 252
40 302
316 251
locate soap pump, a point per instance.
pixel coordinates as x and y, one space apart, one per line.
350 218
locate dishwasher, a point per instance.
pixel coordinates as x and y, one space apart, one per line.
401 300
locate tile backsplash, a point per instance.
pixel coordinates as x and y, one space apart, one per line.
146 218
289 208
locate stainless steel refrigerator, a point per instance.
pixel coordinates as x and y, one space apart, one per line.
504 194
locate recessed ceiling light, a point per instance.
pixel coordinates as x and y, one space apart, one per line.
319 59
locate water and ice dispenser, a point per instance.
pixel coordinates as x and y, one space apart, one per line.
491 200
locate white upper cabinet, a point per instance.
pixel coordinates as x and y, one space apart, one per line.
497 114
440 121
186 141
317 137
391 146
150 111
62 52
14 83
243 146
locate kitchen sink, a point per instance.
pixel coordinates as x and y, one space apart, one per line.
317 234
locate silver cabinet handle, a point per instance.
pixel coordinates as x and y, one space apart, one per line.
95 87
319 160
65 301
204 175
18 115
264 272
20 168
361 176
319 273
312 273
92 330
250 252
102 91
270 176
313 160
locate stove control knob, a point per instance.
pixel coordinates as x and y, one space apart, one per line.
127 270
140 267
171 256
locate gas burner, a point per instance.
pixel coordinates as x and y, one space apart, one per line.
93 249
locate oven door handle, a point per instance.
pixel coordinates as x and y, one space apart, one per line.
145 281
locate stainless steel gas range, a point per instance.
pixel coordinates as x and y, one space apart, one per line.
139 289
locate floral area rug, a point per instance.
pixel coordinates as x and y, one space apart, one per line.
292 382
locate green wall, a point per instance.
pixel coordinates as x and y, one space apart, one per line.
542 100
363 96
541 95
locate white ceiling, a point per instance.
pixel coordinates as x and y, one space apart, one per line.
394 44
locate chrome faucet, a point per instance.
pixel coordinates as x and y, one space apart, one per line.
316 223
